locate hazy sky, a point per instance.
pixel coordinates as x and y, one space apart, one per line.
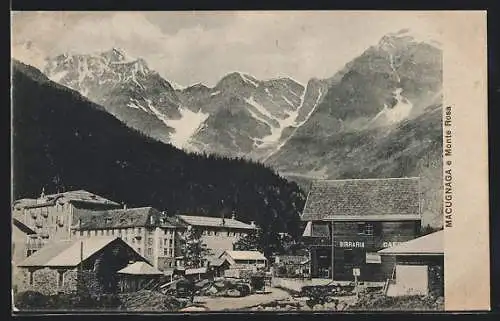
189 47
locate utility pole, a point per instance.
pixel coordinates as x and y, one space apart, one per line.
333 252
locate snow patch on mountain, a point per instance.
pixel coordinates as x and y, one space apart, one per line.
287 101
293 115
215 93
396 114
176 86
249 80
259 107
184 127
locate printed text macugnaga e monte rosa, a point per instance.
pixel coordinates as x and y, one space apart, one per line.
447 167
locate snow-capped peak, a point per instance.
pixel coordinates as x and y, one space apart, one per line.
409 35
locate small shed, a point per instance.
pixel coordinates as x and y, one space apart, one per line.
419 266
139 275
244 259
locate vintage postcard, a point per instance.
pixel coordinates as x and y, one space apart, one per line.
287 161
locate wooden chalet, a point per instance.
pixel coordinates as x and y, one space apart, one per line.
348 221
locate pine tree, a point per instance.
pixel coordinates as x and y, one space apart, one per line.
193 249
253 241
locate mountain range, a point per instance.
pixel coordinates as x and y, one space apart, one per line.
378 116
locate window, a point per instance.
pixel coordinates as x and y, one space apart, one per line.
150 241
95 232
150 251
60 279
215 232
369 229
165 242
170 252
139 230
365 228
139 249
165 232
112 232
81 233
102 232
133 240
107 232
169 264
88 233
165 252
31 278
170 242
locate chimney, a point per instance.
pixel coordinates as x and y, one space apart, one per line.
124 206
233 215
252 223
152 220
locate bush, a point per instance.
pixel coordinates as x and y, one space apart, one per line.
62 301
30 300
372 302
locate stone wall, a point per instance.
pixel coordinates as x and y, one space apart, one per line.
45 281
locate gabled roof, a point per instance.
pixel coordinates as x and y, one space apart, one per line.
70 196
245 255
23 227
316 229
215 222
66 253
140 268
363 199
123 218
431 244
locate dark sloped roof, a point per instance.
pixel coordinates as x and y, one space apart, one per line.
378 199
123 218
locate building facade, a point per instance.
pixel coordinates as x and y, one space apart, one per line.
219 234
349 221
64 265
150 232
419 266
52 216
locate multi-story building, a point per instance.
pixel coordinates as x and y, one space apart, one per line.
150 232
51 216
219 234
349 221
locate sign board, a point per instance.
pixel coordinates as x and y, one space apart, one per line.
356 271
373 258
351 244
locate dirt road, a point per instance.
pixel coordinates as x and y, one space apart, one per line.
222 303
